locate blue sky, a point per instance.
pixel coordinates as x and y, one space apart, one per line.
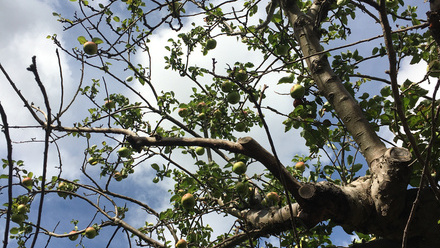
25 25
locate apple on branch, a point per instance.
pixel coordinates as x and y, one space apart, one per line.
90 47
90 232
239 168
300 166
188 201
27 181
297 91
73 237
200 150
181 244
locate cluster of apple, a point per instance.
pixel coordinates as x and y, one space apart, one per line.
19 213
239 74
90 233
64 186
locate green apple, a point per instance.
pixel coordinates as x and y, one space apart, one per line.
300 166
109 104
240 127
129 79
118 176
21 209
227 86
200 150
239 168
233 97
272 198
297 91
201 106
181 244
90 232
188 201
62 186
241 75
242 188
27 181
73 237
211 44
124 152
90 47
183 112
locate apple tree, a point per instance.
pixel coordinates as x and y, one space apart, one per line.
205 129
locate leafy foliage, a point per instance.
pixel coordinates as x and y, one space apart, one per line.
124 31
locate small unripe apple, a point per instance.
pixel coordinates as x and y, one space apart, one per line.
240 127
118 176
109 104
272 198
62 186
90 47
211 44
201 106
27 181
21 209
242 188
241 75
300 166
73 237
183 112
239 168
124 152
90 232
188 201
200 150
181 244
226 86
297 91
233 97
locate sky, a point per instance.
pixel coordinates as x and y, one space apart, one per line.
26 24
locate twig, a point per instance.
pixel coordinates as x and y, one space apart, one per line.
10 171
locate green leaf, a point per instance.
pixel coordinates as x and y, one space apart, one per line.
97 40
155 166
82 40
356 167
